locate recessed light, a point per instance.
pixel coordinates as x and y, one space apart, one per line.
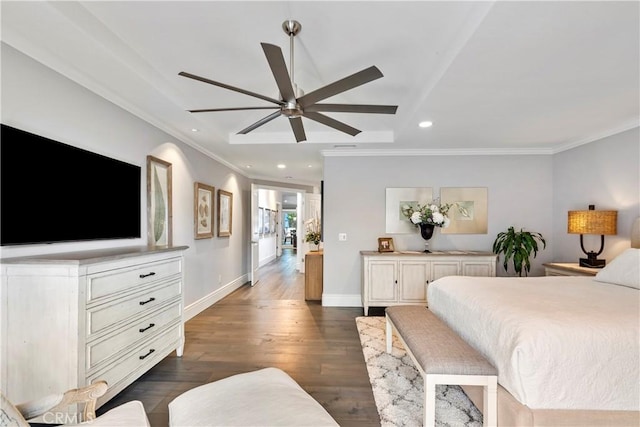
281 166
425 124
309 166
195 130
248 166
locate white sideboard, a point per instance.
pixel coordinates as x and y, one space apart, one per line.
70 319
395 278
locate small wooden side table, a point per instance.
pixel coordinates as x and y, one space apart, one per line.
568 269
313 276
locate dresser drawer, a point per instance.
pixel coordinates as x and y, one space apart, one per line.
107 347
103 316
140 359
110 282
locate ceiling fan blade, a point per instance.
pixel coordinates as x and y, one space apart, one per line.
260 123
226 86
298 129
353 108
208 110
279 70
328 121
342 85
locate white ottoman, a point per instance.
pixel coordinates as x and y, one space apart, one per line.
267 397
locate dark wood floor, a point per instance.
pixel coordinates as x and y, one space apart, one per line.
269 324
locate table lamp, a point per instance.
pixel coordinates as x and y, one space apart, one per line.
592 222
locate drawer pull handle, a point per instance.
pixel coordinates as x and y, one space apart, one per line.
142 276
147 301
146 355
151 325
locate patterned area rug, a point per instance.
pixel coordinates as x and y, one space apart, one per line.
398 387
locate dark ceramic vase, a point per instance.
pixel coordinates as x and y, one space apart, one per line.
426 231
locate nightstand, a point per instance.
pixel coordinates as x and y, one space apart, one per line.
568 269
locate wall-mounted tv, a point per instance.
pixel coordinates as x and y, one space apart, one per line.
53 192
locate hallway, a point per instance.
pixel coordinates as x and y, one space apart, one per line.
269 324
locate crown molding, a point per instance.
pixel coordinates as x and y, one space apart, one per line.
438 152
632 124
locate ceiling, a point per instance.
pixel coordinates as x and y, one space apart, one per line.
493 77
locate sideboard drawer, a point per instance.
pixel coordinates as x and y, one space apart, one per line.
109 282
104 348
103 316
147 354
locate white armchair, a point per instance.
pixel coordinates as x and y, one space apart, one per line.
51 407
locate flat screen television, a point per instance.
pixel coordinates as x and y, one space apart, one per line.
52 192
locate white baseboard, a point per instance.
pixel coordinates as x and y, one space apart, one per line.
339 300
207 301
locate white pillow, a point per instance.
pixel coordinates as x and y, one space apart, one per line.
624 270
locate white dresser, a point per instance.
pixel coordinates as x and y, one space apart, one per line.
70 319
395 278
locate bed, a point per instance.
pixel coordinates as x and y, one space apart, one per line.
566 348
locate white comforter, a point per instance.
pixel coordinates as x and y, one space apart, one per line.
557 342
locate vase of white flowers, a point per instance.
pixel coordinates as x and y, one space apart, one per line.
313 232
427 216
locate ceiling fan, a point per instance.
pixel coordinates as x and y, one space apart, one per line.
294 107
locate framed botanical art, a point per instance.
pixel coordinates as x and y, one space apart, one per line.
396 200
468 211
225 213
272 222
159 211
265 221
203 210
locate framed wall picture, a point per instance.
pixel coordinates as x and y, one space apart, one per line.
159 202
225 213
261 221
385 244
203 210
265 221
272 222
468 211
396 199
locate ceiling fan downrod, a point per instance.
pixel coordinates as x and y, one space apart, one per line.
291 28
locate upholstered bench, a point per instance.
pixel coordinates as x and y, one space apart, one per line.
441 357
266 397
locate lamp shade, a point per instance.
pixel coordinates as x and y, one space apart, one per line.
592 222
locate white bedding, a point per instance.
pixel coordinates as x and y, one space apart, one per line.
558 342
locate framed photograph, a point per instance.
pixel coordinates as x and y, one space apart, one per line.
265 221
396 198
225 213
203 210
159 211
261 221
385 244
468 211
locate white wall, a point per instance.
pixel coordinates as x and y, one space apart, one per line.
604 173
41 101
520 194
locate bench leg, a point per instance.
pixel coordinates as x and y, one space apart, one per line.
389 334
490 403
429 401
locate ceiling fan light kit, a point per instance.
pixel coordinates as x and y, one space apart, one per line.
294 103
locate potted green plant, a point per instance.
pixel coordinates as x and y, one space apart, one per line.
517 246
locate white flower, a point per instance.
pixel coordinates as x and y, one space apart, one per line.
416 217
437 217
434 208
